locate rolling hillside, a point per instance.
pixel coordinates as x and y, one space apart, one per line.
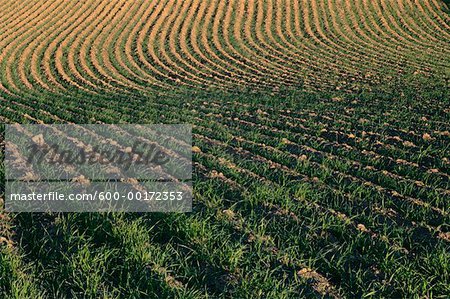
119 45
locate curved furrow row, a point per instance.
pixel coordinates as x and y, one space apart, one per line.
49 107
362 34
437 9
151 45
240 39
432 39
239 52
377 39
346 55
438 21
11 34
307 52
393 34
398 60
49 50
117 62
210 42
226 44
147 59
66 52
406 27
196 44
188 20
200 39
13 50
128 45
328 48
419 27
33 54
165 46
124 50
13 17
119 44
393 25
381 28
265 43
309 55
123 47
286 40
79 54
342 24
175 54
99 47
179 45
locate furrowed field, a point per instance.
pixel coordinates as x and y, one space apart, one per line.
321 146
